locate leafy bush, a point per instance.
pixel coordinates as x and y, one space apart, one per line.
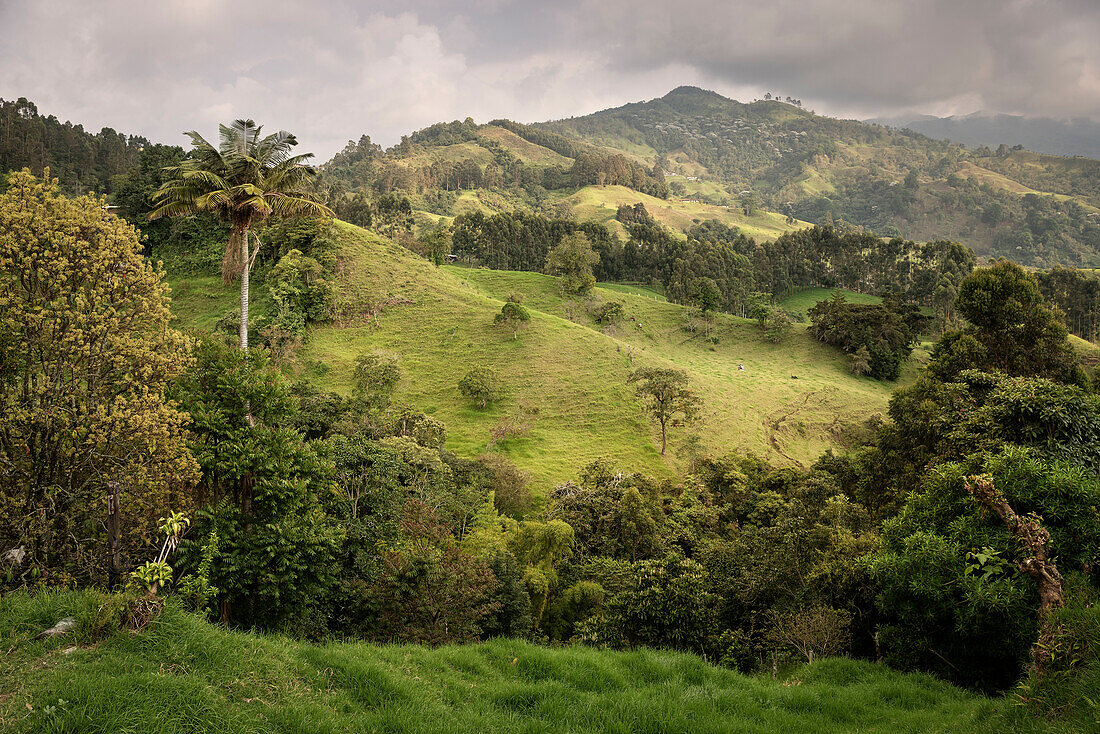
480 385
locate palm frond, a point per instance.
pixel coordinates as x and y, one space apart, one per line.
297 206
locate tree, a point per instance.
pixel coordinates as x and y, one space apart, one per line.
392 215
776 326
708 298
438 242
481 386
86 352
512 315
260 487
1020 334
376 379
859 362
573 259
244 181
666 394
431 591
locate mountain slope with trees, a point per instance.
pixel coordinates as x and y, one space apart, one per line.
1007 202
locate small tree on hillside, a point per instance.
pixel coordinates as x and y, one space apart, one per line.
777 325
708 298
860 361
573 259
481 386
513 316
666 396
437 241
376 379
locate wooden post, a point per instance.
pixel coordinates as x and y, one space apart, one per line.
114 563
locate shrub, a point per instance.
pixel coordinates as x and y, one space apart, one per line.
480 385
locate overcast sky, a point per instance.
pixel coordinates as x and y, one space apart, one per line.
331 70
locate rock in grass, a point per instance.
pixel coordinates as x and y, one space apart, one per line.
61 628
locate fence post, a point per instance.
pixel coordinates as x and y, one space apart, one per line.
114 563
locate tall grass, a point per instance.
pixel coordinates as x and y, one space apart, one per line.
185 675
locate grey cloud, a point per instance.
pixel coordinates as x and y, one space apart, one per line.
336 68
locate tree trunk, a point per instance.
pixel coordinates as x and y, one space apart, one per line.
1034 539
244 289
114 562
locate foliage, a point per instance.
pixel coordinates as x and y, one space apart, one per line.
572 259
966 621
259 489
666 397
430 591
1012 329
884 332
82 161
86 352
300 292
510 485
195 588
480 385
244 181
665 604
512 315
608 312
377 377
154 575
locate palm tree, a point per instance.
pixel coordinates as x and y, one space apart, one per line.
245 180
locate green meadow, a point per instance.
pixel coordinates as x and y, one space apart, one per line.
791 402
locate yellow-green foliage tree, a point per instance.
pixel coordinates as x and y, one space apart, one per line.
86 349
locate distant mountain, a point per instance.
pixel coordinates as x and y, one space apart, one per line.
1036 209
1080 137
692 155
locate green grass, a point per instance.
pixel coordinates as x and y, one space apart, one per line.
439 322
600 203
805 299
762 409
184 675
637 290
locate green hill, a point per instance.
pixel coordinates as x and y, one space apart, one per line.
890 181
184 675
791 402
693 155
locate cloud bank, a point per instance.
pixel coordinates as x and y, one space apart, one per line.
335 69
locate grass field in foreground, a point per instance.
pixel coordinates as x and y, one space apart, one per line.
185 675
790 403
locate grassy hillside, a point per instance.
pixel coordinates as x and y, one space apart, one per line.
185 675
791 402
600 203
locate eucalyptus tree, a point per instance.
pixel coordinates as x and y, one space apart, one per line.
244 181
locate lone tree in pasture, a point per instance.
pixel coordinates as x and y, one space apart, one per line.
86 351
573 259
708 298
481 386
512 315
376 379
666 396
244 181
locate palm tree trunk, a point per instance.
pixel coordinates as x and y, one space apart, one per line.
244 290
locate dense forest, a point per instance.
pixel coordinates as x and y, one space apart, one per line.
82 161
